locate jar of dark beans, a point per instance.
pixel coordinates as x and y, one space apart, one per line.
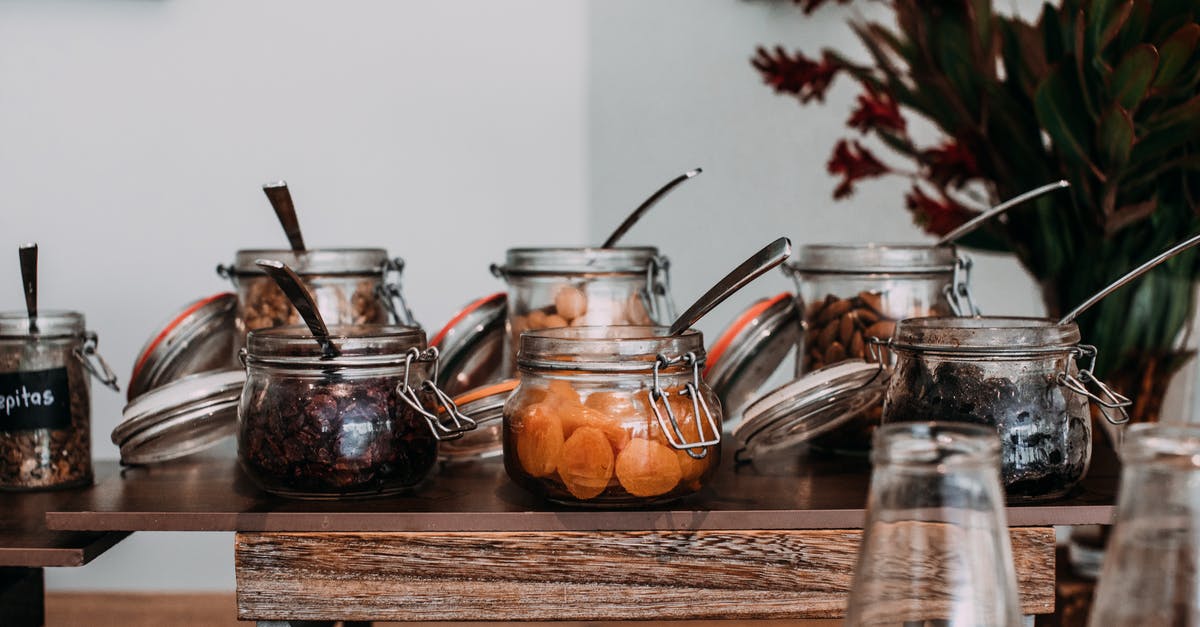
358 419
45 399
1028 378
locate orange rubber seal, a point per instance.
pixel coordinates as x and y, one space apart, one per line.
458 317
739 324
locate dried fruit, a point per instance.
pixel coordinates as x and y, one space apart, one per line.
587 463
646 468
575 417
539 440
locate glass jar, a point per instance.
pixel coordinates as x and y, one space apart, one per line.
849 294
351 286
358 423
45 400
935 548
557 287
1151 573
1028 378
611 416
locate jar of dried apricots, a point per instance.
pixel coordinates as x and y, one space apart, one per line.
611 416
558 287
851 293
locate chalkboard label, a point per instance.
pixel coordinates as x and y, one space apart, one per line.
35 399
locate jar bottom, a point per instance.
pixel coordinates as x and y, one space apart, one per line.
82 482
344 496
616 504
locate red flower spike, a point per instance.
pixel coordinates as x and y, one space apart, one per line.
812 5
853 162
950 164
876 110
938 216
798 75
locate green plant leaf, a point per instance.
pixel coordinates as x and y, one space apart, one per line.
1134 31
1106 29
1057 104
1175 53
1053 40
1132 76
1114 138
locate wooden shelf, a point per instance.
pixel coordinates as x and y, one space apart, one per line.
26 542
210 493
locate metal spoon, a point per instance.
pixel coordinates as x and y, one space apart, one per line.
302 299
977 221
1135 273
769 257
285 210
645 206
29 259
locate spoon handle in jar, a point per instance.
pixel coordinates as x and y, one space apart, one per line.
302 299
29 261
770 256
1135 273
645 206
281 200
978 221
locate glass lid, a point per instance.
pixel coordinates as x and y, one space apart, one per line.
485 405
180 418
200 337
809 406
749 351
472 345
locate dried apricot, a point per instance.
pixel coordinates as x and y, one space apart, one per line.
586 464
685 417
577 416
563 392
646 468
539 440
616 405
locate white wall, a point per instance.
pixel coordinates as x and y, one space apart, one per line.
134 136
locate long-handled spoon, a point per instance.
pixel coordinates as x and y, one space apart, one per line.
979 220
302 299
645 206
769 257
29 260
1135 273
281 200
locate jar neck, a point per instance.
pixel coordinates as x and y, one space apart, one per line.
48 325
985 336
1174 447
612 350
875 258
356 346
578 261
350 262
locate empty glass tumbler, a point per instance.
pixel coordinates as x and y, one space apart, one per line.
935 547
1153 557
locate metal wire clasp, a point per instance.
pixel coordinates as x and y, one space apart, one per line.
94 363
1108 399
958 292
658 289
390 294
673 433
455 423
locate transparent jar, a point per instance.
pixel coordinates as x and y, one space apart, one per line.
611 416
351 286
1151 573
45 400
1028 378
849 294
557 287
358 423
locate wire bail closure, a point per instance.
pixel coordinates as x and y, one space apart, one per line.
392 297
1107 398
656 298
94 362
673 433
958 292
458 423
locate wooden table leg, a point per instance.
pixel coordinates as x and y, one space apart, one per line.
558 576
22 597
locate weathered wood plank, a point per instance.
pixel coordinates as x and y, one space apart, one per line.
572 576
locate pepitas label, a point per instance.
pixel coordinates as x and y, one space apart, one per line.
35 399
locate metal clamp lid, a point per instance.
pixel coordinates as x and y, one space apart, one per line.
458 422
958 292
749 351
472 344
1107 399
674 434
392 296
94 362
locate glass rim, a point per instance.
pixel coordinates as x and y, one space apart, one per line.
578 260
875 258
1176 445
934 445
999 335
358 344
314 261
613 349
51 324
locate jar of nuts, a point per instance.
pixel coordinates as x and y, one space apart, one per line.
558 287
851 293
45 399
351 286
357 423
611 416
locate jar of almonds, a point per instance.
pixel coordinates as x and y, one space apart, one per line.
852 293
615 416
351 286
558 287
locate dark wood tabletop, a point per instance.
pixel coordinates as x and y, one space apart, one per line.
26 542
210 493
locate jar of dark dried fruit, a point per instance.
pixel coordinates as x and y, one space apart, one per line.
849 294
550 288
1029 378
612 416
351 286
361 422
45 400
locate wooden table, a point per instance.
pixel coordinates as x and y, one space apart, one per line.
27 547
773 541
